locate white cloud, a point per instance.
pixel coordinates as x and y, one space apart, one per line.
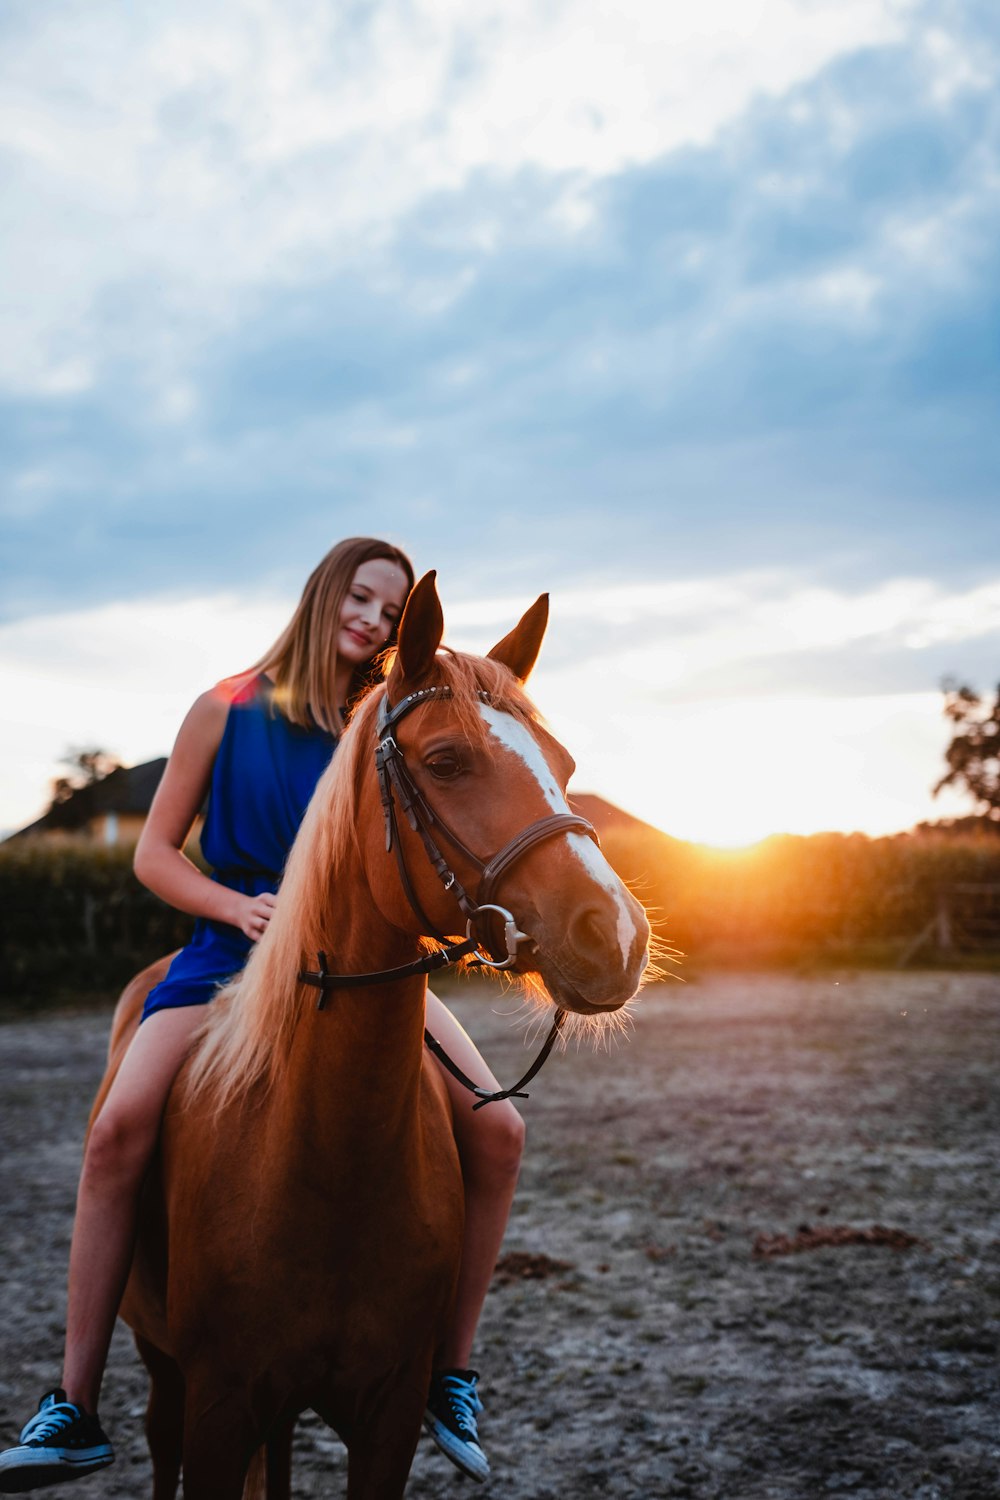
847 289
683 630
954 66
202 155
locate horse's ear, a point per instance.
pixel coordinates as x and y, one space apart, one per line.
420 630
519 650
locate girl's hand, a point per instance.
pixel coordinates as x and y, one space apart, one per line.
254 913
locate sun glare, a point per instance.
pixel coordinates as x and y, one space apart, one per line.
731 772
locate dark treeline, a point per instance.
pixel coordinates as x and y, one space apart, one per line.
76 924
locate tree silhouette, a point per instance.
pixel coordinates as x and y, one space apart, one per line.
72 802
973 756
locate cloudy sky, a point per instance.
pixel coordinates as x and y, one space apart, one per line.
688 315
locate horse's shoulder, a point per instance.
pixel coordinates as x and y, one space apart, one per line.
435 1100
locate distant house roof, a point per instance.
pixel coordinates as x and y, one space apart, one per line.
130 789
606 817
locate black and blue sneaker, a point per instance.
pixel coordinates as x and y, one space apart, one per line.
61 1442
450 1418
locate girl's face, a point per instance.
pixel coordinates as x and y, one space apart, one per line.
372 607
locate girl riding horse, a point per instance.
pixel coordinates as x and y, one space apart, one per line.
256 744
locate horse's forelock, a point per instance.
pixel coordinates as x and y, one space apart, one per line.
468 677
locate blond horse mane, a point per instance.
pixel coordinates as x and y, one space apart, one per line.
249 1029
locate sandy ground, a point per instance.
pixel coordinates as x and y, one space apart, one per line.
664 1357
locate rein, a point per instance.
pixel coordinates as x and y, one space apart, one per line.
395 782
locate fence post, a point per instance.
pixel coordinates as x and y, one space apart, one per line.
942 921
89 914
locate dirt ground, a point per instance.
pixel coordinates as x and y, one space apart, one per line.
724 1323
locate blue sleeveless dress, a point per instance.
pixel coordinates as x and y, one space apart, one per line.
265 772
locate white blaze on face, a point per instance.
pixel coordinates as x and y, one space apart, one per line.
517 738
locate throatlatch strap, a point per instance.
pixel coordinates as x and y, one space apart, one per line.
322 979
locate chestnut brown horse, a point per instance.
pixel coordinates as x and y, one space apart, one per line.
300 1234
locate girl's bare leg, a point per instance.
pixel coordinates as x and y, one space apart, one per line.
490 1143
117 1154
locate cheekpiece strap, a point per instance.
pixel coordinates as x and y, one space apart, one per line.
395 781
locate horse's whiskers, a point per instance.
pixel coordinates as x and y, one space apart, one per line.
663 961
602 1031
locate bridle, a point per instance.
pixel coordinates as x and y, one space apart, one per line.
396 783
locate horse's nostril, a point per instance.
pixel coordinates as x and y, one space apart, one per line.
589 935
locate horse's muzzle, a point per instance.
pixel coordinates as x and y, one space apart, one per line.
592 971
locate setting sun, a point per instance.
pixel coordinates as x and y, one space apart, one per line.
732 771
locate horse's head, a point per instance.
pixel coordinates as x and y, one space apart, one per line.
470 770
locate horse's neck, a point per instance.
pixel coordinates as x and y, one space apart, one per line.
356 1063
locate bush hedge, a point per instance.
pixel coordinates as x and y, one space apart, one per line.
75 924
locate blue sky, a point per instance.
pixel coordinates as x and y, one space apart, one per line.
691 320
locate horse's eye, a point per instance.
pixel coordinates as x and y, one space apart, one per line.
444 767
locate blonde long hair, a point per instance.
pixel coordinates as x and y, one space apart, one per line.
302 663
249 1029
